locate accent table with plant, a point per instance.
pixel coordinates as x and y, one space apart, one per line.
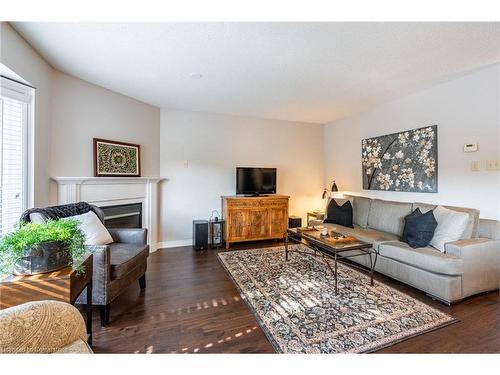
39 248
46 262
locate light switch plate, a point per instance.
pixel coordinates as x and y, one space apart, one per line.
475 165
493 165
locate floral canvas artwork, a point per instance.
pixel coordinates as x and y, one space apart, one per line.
405 161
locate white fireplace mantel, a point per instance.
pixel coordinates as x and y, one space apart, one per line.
105 180
110 191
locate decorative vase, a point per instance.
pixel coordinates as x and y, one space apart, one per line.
46 257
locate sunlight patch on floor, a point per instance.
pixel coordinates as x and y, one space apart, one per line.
200 305
197 349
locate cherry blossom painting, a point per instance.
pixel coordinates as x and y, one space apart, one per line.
405 161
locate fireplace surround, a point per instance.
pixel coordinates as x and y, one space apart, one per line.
116 192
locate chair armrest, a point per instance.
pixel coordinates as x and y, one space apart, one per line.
101 256
40 327
481 264
137 236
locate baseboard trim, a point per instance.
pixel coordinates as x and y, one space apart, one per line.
168 244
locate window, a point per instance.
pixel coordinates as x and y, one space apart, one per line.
15 107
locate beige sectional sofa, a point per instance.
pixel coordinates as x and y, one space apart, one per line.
468 266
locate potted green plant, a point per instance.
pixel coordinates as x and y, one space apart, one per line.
39 248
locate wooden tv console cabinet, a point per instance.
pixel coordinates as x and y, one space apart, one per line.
254 218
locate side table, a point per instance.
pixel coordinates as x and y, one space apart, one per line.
64 285
315 215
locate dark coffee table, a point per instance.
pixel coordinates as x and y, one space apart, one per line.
334 246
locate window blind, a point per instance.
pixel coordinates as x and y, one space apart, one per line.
13 158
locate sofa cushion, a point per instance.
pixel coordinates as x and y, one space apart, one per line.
340 202
387 216
472 229
125 257
425 258
416 212
94 230
419 228
451 226
37 218
368 235
360 210
339 213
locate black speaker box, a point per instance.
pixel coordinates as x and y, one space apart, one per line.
200 234
294 222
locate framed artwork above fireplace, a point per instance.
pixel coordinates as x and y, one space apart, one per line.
116 159
405 161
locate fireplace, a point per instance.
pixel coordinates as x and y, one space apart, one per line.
107 192
123 215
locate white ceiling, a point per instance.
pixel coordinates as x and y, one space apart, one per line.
310 72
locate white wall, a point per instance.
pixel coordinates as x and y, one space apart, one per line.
466 109
18 56
213 145
70 112
82 111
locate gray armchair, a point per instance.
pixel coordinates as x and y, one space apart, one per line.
116 266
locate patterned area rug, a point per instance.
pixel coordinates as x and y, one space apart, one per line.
297 308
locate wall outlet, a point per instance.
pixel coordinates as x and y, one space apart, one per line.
475 165
493 165
185 164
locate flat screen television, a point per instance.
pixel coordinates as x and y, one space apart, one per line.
255 181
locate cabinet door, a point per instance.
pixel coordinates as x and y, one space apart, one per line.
237 225
278 221
258 223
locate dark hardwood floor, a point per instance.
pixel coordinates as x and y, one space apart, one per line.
190 305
